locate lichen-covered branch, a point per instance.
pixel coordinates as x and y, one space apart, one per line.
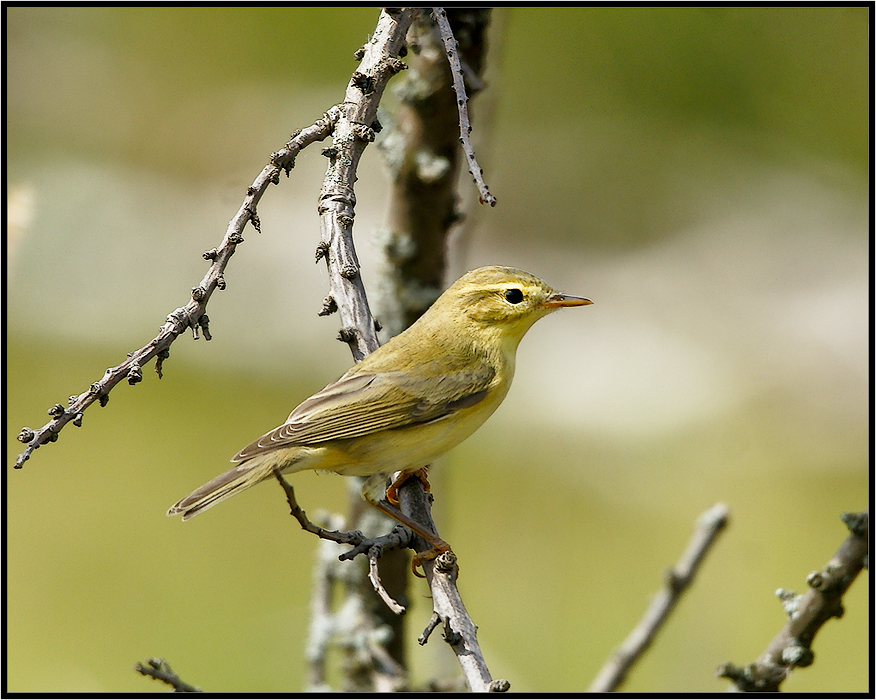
349 623
807 613
352 124
354 130
421 150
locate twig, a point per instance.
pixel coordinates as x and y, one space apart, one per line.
354 538
352 125
399 538
374 576
193 314
452 52
807 613
709 525
160 670
434 621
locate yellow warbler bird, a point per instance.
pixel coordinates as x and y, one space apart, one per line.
411 400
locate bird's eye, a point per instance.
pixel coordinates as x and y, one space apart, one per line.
513 296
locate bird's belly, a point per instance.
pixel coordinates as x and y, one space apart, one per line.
404 448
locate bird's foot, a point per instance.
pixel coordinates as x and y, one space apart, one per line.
392 490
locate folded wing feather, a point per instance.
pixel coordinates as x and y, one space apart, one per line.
361 404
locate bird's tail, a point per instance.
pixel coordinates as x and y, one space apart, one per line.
237 479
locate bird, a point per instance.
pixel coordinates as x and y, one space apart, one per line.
407 403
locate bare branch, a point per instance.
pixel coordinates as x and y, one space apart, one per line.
160 670
193 314
399 538
353 131
709 525
459 630
807 613
352 125
356 128
452 51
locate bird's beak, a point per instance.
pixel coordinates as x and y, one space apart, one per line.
557 301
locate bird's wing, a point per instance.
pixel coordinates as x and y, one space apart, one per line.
361 404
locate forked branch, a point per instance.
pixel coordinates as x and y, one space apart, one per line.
352 125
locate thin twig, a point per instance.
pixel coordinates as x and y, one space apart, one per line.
354 538
372 546
434 621
374 576
193 314
160 670
421 151
452 52
792 647
709 525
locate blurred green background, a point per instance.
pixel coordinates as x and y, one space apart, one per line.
701 173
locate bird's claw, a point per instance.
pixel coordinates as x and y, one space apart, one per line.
392 490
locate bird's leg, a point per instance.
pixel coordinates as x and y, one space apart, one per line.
384 505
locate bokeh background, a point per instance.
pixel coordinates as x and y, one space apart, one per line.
701 173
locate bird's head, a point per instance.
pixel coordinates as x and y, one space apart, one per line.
502 302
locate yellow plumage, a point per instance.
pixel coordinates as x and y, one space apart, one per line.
412 399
